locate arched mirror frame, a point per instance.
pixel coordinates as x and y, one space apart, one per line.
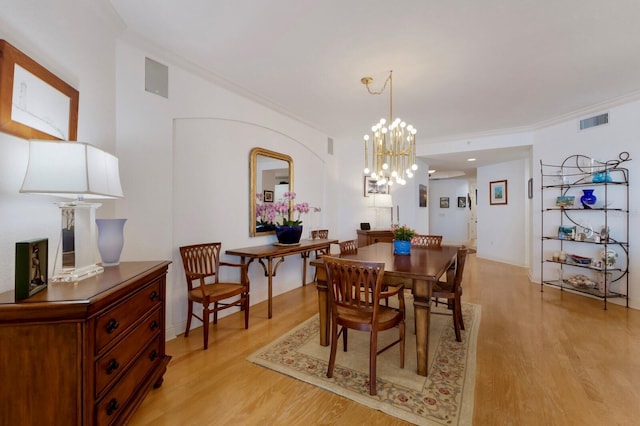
253 167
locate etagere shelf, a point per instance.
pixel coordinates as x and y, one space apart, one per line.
585 226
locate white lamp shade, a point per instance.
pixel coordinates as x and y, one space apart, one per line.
380 200
71 170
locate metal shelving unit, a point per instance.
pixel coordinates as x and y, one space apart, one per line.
574 253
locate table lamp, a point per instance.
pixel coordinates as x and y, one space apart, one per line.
379 201
80 172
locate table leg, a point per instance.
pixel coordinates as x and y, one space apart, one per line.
422 311
323 305
270 285
304 256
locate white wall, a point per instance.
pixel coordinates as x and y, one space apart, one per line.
452 223
75 41
556 142
502 234
195 184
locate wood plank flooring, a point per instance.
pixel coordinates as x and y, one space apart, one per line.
550 358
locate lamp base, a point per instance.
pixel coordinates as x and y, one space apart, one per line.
77 274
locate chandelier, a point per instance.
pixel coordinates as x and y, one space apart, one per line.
392 154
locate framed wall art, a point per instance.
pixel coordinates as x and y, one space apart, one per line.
422 197
371 186
267 196
34 103
498 192
444 202
462 202
31 267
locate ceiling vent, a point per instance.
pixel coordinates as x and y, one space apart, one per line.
597 120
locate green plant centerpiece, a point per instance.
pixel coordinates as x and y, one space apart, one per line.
402 236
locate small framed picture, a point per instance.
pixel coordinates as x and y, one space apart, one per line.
371 187
498 192
444 202
267 196
565 201
422 199
462 202
31 267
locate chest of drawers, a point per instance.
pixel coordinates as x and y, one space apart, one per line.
84 353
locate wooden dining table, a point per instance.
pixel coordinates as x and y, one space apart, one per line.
418 271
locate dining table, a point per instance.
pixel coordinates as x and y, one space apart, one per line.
280 251
417 271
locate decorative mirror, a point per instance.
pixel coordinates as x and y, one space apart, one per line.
271 176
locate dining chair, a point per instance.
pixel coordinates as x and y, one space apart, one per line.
320 234
202 264
355 291
348 247
420 240
452 291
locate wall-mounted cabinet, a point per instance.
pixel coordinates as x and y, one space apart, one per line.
585 226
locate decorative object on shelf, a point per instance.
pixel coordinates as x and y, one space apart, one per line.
609 257
581 281
588 198
31 267
393 152
565 201
288 234
604 234
498 192
78 171
600 177
402 236
566 232
579 260
110 240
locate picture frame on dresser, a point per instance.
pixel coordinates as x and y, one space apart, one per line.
35 103
31 275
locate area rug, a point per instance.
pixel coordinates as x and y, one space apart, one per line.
444 397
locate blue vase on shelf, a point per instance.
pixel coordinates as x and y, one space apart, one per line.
588 199
401 247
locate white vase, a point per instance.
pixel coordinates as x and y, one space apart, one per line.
110 240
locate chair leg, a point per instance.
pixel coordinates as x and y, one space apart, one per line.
460 320
402 328
345 331
373 352
205 327
246 311
215 313
334 348
189 315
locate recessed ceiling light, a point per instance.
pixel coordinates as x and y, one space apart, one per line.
471 159
432 171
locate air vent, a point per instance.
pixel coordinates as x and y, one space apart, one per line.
156 78
597 120
330 146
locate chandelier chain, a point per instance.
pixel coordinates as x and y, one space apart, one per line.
368 80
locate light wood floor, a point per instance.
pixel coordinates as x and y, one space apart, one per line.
551 358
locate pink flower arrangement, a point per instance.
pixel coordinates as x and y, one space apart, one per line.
267 213
403 233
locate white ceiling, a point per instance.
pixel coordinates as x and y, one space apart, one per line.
460 67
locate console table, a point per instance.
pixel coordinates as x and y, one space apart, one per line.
366 238
87 352
273 251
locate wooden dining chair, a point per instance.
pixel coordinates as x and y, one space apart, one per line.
348 247
202 264
355 291
452 291
320 234
420 240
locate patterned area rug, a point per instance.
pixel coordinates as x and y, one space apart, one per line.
444 397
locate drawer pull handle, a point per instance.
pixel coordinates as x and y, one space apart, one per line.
154 295
112 406
112 365
154 325
153 355
112 325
